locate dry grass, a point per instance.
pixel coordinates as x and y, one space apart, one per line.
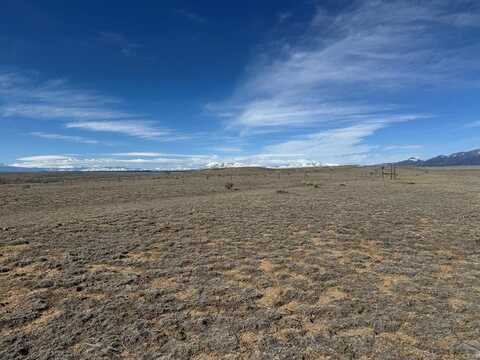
176 266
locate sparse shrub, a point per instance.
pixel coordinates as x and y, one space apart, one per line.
315 185
282 192
229 186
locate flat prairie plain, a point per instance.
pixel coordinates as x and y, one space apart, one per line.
327 263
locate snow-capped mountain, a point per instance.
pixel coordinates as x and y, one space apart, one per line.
270 164
457 159
413 161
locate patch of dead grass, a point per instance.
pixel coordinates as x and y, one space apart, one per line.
164 282
445 271
185 294
361 331
266 265
389 281
42 320
206 356
10 251
332 294
456 303
291 307
25 270
399 337
100 268
152 254
13 298
271 296
248 338
316 327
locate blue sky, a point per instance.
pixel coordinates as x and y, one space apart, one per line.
186 84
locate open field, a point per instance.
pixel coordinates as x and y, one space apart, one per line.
291 264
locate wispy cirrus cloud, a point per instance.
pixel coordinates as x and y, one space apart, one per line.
70 138
339 145
402 147
140 129
343 145
24 96
373 47
59 111
346 72
157 155
227 149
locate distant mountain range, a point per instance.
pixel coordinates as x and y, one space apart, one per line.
465 158
292 164
15 169
457 159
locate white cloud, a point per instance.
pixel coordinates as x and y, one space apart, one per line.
402 147
283 112
227 149
49 111
76 139
165 161
174 162
141 129
157 154
71 162
23 95
341 145
142 154
338 82
44 158
344 145
374 47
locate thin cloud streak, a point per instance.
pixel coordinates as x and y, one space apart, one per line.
332 76
157 154
373 47
23 95
140 129
70 138
51 111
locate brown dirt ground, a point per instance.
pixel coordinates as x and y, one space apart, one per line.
291 264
